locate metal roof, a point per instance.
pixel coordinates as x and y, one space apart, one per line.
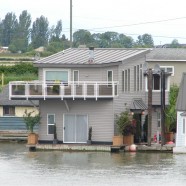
167 54
138 104
80 56
181 100
4 99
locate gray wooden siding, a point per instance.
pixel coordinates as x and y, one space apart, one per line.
123 101
180 138
89 74
100 117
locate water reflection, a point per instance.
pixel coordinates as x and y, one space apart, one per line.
45 168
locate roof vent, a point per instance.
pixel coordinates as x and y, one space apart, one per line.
91 55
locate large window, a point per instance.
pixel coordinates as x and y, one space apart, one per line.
50 123
8 111
57 75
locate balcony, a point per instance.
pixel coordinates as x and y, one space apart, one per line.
73 90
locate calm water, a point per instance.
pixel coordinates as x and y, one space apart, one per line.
18 167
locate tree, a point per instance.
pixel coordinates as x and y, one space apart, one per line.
145 41
40 32
174 44
55 33
8 29
81 37
20 42
126 41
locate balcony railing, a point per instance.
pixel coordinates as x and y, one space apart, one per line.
39 89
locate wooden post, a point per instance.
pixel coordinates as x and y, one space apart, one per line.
162 108
149 106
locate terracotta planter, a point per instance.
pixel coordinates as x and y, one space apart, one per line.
128 140
117 140
32 139
169 136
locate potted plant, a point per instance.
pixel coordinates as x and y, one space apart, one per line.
55 140
126 127
170 113
31 121
89 141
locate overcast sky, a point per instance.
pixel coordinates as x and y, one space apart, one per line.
122 16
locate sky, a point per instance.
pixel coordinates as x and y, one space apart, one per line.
165 20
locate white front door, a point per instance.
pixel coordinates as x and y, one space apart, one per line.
75 128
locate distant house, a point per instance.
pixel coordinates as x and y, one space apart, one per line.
181 118
11 111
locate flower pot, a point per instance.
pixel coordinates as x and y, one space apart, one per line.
32 139
169 136
128 140
117 140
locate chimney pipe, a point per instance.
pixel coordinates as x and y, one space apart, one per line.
91 54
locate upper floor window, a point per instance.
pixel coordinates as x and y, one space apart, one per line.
75 75
156 82
8 111
57 75
138 77
126 80
168 69
109 77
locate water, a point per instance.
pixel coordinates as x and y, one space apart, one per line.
19 167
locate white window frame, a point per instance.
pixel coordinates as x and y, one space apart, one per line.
126 78
74 76
166 67
51 124
108 82
183 127
138 78
158 119
166 90
54 69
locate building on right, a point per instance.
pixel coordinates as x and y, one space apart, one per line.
181 118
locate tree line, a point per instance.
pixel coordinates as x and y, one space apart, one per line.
20 34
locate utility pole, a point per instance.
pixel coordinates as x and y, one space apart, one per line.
149 75
70 23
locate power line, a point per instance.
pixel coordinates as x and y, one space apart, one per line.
135 24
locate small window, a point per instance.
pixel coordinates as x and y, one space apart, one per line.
156 82
183 128
51 123
76 76
109 78
8 111
159 119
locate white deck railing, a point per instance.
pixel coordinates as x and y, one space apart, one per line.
85 89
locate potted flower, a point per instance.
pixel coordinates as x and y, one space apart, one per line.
126 127
89 141
31 121
55 140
